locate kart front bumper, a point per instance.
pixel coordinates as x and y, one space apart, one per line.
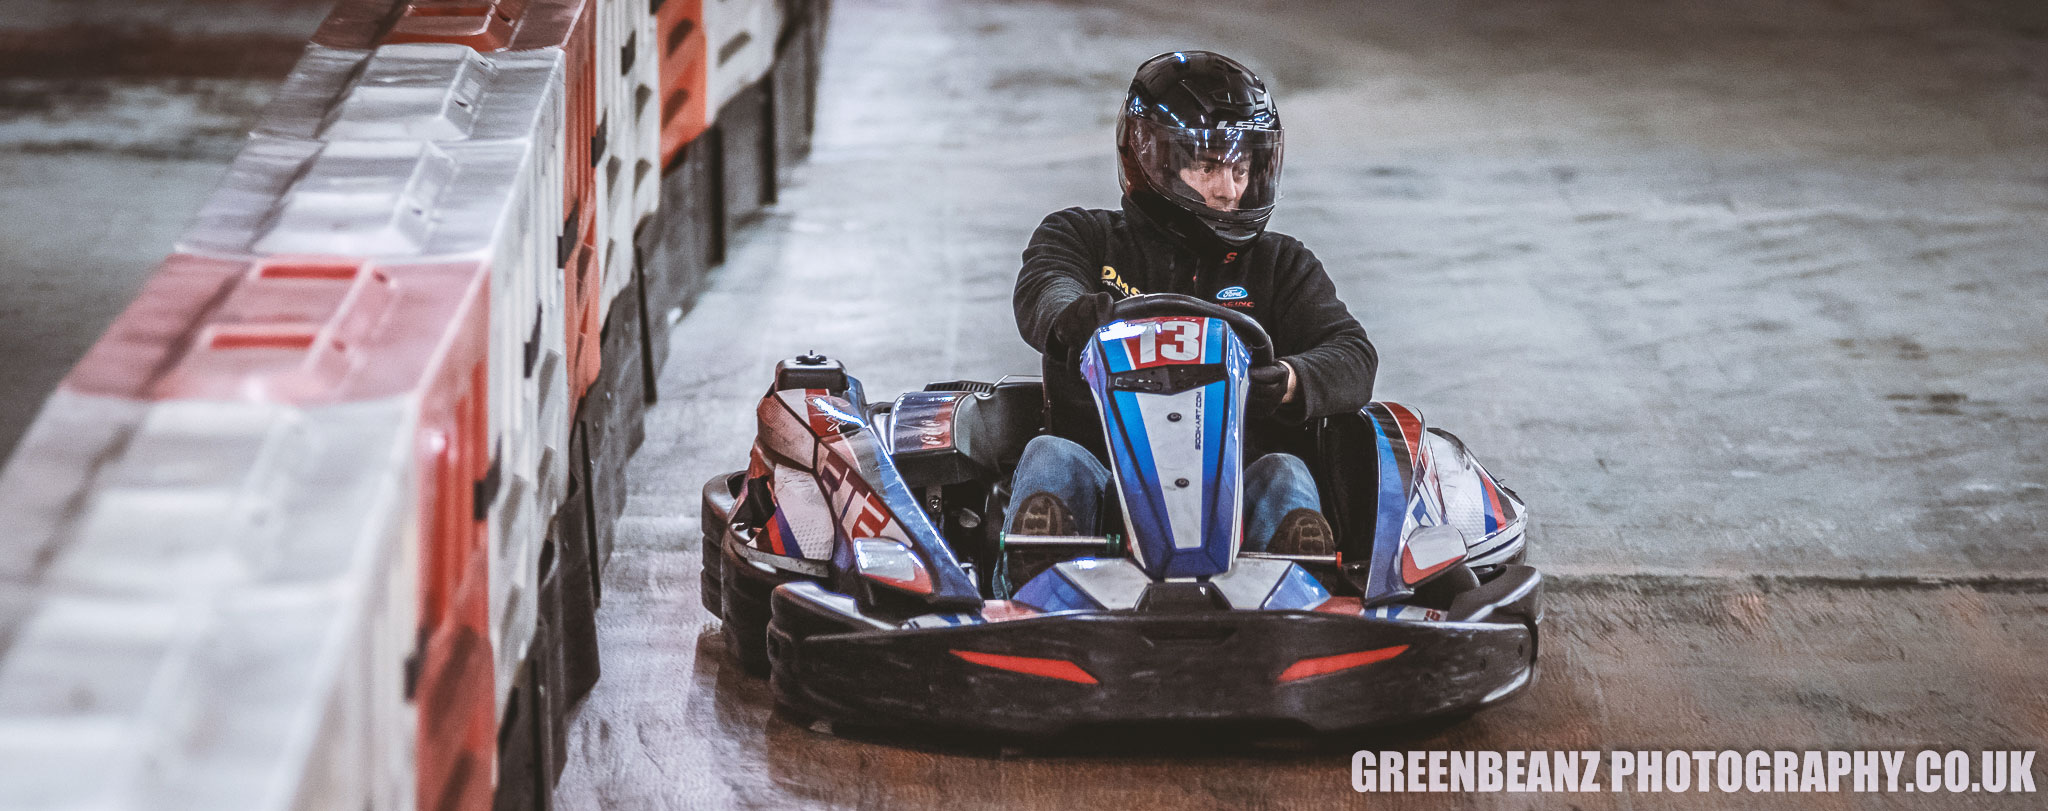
1044 675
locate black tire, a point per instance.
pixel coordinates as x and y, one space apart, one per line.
1444 590
710 588
795 716
743 607
715 509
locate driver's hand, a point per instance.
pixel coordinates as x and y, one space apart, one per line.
1072 328
1271 385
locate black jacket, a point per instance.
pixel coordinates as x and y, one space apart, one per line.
1080 251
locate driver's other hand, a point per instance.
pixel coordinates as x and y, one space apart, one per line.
1270 385
1072 328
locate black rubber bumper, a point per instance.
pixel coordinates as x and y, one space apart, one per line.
1224 667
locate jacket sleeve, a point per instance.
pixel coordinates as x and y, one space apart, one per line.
1059 266
1334 364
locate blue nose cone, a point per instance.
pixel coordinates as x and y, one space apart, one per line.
1170 392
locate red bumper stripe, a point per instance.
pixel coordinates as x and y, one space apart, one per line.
1343 661
1049 668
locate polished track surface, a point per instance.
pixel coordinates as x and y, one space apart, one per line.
1746 299
1746 302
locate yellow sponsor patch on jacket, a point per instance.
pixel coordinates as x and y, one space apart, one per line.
1116 282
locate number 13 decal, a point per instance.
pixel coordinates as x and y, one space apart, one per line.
1170 342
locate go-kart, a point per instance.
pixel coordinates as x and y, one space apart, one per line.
860 559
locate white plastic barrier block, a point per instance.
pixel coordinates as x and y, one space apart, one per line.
490 199
415 92
218 682
453 99
741 37
498 29
373 200
53 467
643 88
628 175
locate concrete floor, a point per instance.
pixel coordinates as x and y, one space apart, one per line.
1745 298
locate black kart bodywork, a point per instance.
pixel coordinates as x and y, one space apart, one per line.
1151 667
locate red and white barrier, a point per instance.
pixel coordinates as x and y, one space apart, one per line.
482 187
301 528
223 586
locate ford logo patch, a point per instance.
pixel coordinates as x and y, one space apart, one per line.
1231 294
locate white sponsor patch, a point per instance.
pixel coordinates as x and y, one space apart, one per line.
1176 440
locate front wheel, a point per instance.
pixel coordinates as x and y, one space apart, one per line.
720 501
743 607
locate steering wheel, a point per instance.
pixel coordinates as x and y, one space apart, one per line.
1158 305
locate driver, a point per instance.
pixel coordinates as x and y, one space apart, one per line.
1199 141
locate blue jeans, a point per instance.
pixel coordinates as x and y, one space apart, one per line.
1274 485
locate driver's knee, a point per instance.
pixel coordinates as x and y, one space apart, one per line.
1282 506
1056 472
1281 480
1057 454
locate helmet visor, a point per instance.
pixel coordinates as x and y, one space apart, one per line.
1231 173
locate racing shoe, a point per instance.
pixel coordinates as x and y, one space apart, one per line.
1304 532
1042 514
1039 514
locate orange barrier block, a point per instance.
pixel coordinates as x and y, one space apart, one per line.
685 102
455 691
485 25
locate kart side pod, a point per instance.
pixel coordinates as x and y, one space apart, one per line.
1382 492
832 504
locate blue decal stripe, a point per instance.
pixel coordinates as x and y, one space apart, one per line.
1486 508
1051 591
782 540
1231 427
952 581
1221 463
1386 547
1117 355
1296 591
1389 426
1219 479
1147 512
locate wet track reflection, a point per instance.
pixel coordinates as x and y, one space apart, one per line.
1743 298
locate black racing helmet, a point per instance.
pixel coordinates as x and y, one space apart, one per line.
1199 142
